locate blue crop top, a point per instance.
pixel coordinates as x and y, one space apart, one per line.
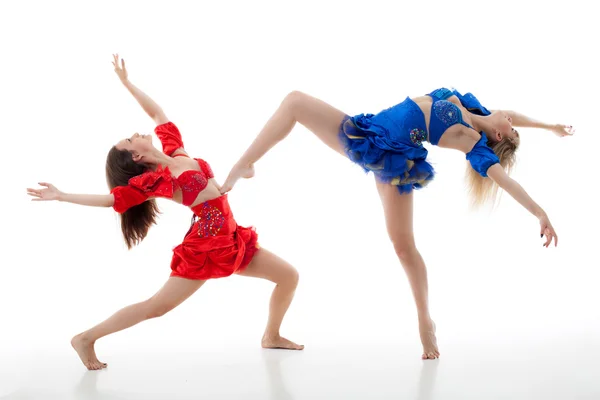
444 114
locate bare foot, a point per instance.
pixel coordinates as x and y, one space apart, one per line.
429 341
237 172
277 342
85 351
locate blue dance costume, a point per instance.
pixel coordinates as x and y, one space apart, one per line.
390 143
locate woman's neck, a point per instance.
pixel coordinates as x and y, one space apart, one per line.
156 158
482 123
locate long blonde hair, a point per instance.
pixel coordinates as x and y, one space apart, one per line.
483 190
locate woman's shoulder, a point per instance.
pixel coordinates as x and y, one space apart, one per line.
170 137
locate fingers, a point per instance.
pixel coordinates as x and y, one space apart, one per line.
568 130
551 235
44 184
115 62
36 194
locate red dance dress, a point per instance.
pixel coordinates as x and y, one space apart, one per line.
215 246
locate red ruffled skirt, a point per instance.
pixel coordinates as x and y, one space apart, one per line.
215 245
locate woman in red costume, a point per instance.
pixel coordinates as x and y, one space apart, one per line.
214 247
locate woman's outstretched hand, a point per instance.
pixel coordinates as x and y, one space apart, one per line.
120 70
50 192
548 230
563 130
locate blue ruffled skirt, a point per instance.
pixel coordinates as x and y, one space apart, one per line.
389 144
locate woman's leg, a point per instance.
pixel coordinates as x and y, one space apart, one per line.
398 211
316 115
172 294
267 265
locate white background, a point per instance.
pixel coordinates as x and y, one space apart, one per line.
219 70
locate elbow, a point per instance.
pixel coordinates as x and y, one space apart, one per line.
110 201
509 185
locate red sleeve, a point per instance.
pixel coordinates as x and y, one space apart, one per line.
169 136
206 168
140 188
127 197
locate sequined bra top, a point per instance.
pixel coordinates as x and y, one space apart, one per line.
161 183
444 114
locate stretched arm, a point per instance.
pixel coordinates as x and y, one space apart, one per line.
92 200
52 193
523 121
517 192
150 106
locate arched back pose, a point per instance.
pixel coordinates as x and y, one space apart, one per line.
214 246
390 144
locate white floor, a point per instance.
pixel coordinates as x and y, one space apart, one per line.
566 368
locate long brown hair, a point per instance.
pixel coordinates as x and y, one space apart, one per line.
482 190
136 221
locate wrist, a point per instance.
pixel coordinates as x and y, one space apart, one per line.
541 214
61 196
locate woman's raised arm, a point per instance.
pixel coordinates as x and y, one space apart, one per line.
150 106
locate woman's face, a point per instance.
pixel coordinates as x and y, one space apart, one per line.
502 124
137 145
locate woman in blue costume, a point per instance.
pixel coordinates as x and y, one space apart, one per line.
390 144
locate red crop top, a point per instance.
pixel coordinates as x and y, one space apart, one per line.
161 183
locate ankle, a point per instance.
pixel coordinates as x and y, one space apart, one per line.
242 164
271 335
85 337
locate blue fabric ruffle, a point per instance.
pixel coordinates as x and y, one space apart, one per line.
371 146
